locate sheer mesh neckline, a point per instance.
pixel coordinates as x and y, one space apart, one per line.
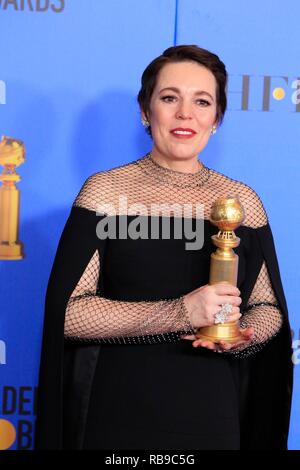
173 177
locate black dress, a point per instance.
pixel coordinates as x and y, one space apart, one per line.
115 372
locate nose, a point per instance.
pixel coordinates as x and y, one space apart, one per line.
184 111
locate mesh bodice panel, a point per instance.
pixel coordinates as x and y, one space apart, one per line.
145 188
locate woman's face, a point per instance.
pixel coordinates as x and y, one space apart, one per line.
182 110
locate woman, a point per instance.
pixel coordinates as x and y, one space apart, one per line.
118 367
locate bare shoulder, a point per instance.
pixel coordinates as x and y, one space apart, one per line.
256 215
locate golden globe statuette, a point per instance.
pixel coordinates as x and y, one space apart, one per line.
227 214
12 154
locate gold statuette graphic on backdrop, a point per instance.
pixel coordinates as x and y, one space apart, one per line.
227 214
12 154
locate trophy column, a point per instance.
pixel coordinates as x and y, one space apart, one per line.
227 214
11 156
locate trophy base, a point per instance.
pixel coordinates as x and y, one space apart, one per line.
11 251
228 332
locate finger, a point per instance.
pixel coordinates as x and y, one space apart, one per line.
247 336
247 329
247 333
231 317
234 311
225 346
234 316
226 289
189 337
203 343
238 345
233 300
197 343
209 345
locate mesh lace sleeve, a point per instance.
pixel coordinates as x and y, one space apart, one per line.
262 313
90 317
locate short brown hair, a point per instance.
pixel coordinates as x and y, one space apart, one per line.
184 53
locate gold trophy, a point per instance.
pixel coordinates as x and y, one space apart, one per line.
12 154
227 214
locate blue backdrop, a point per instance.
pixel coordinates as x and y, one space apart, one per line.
69 75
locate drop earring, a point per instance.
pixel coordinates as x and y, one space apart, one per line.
145 122
213 130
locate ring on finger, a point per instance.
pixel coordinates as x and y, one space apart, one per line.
222 315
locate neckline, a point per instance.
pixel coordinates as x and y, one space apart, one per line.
173 177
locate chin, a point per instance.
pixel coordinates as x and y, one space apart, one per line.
186 154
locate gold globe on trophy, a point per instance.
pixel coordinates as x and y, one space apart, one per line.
227 214
12 154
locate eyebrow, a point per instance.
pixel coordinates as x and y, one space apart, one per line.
200 92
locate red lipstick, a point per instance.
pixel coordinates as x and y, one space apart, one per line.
183 132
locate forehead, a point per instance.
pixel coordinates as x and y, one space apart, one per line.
186 75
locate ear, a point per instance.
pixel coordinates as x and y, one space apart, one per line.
144 115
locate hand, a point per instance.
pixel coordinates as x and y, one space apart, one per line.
247 335
203 303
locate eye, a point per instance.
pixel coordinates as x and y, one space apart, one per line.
168 98
205 102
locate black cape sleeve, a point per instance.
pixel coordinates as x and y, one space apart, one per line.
266 378
77 244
